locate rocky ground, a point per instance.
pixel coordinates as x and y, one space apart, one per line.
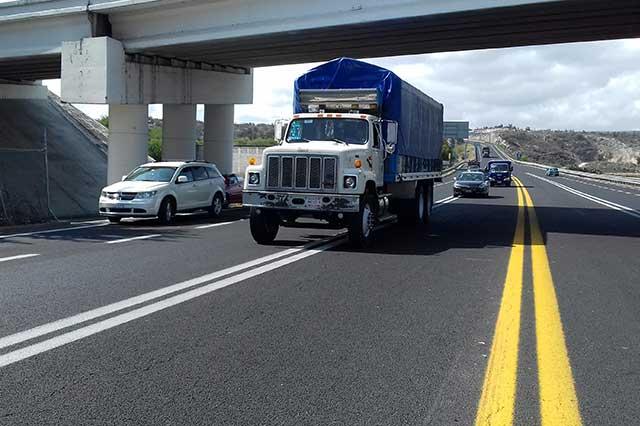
600 152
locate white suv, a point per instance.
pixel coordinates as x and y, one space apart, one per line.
162 189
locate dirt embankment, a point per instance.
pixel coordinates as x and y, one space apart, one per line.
600 152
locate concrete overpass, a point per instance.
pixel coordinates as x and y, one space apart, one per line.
129 53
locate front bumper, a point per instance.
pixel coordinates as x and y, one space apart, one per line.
471 190
131 208
500 178
301 201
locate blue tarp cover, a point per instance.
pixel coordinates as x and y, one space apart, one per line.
419 116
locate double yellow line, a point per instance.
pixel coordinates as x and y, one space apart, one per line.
558 400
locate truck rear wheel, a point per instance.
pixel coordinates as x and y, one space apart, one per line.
264 225
362 223
428 201
412 211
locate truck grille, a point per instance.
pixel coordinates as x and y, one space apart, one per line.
298 172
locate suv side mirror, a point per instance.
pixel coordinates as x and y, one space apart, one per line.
279 129
182 179
510 168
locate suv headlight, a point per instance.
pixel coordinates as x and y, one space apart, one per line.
350 182
146 195
103 194
254 178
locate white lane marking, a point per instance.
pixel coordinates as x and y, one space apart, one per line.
81 333
444 201
212 225
90 222
126 240
20 256
606 203
49 231
136 300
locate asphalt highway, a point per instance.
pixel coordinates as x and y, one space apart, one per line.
521 308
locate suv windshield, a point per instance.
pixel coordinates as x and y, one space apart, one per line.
152 174
346 130
500 167
473 177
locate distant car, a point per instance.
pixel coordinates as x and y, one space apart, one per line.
162 189
233 188
471 183
486 152
552 171
473 166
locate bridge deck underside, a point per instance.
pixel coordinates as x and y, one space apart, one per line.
548 23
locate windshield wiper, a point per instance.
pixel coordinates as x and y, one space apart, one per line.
339 141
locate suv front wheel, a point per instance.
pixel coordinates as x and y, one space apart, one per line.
167 211
216 205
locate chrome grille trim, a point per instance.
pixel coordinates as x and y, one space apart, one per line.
302 172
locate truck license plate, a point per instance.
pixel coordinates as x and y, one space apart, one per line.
313 202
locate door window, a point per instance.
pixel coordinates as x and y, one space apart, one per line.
200 173
213 172
188 173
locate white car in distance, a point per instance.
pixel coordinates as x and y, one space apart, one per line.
163 189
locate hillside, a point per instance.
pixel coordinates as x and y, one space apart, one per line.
600 152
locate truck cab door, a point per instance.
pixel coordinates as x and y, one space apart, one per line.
377 155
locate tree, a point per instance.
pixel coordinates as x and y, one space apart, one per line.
104 120
155 143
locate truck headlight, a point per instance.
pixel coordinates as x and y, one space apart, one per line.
146 195
350 182
254 178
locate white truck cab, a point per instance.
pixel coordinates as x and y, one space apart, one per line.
325 162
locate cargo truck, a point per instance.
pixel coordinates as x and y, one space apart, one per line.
362 146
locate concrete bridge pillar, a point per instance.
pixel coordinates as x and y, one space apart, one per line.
218 136
128 138
178 132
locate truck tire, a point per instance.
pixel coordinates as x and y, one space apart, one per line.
412 211
264 225
362 223
428 192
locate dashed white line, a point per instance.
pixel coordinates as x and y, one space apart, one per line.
213 225
50 231
89 330
606 203
20 256
444 201
126 240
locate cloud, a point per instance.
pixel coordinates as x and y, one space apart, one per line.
592 86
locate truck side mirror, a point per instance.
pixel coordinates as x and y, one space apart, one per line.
391 136
279 129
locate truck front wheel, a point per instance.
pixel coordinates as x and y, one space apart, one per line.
264 225
362 223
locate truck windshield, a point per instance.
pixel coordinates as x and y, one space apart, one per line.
345 130
500 167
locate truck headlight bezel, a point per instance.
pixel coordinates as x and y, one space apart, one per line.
254 178
350 182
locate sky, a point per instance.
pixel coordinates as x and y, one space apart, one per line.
580 86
